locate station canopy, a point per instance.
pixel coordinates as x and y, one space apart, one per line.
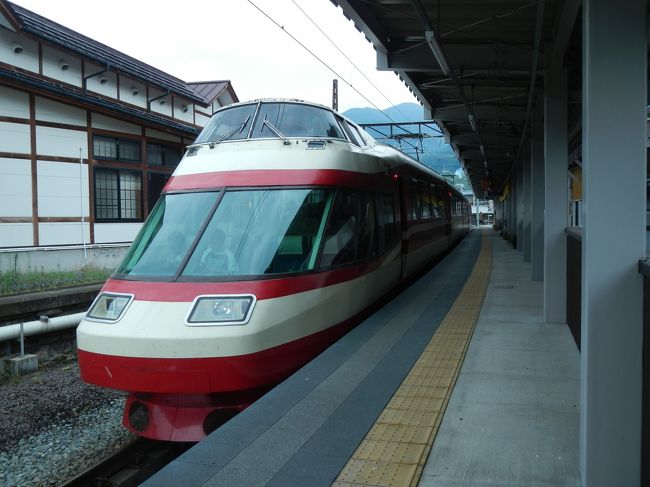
476 66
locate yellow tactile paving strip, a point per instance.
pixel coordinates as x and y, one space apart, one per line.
396 448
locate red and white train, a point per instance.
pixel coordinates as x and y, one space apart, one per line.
281 227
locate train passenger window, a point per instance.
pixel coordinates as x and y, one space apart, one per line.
425 198
438 207
352 135
260 232
166 237
351 234
415 203
388 220
295 120
229 124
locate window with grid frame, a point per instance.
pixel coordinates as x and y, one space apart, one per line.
118 195
163 155
116 149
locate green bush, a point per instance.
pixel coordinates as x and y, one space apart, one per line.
15 282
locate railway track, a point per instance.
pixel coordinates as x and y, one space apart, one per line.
129 466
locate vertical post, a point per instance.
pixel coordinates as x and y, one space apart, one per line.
22 340
614 138
526 244
520 204
81 202
537 194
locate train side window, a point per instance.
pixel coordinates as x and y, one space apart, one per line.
351 234
388 220
349 132
414 202
425 199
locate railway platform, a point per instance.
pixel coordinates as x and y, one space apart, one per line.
456 381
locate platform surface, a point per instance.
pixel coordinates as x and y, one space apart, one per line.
512 418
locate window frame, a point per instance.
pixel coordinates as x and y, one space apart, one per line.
119 219
117 140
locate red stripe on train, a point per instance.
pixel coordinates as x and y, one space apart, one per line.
280 177
262 289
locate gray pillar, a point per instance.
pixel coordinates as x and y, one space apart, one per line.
614 187
526 186
512 230
537 196
520 205
556 190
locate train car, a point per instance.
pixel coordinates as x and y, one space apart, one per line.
283 225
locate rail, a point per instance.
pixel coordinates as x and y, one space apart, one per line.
130 466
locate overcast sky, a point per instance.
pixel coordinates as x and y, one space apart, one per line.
200 40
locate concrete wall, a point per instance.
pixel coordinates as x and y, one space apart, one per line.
61 259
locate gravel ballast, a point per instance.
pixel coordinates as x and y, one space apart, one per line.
53 425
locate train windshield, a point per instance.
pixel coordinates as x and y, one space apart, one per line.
251 232
161 245
295 120
271 120
257 232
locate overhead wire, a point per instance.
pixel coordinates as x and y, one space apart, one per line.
346 57
320 60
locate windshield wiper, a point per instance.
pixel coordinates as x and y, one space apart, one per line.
275 130
234 131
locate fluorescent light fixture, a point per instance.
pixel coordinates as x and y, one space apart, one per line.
437 52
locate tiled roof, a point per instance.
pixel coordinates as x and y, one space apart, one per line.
209 90
62 36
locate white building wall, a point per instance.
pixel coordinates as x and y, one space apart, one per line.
15 188
116 232
16 235
14 137
65 233
201 120
108 88
60 191
133 92
27 59
61 142
183 110
108 123
162 105
53 111
157 134
55 60
13 103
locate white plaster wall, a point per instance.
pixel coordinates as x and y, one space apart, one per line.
59 191
201 120
28 59
16 235
166 108
62 233
15 188
52 111
225 99
108 123
178 110
14 137
157 134
52 60
13 103
61 142
128 87
94 84
116 232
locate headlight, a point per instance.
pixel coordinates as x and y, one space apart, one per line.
109 307
221 310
